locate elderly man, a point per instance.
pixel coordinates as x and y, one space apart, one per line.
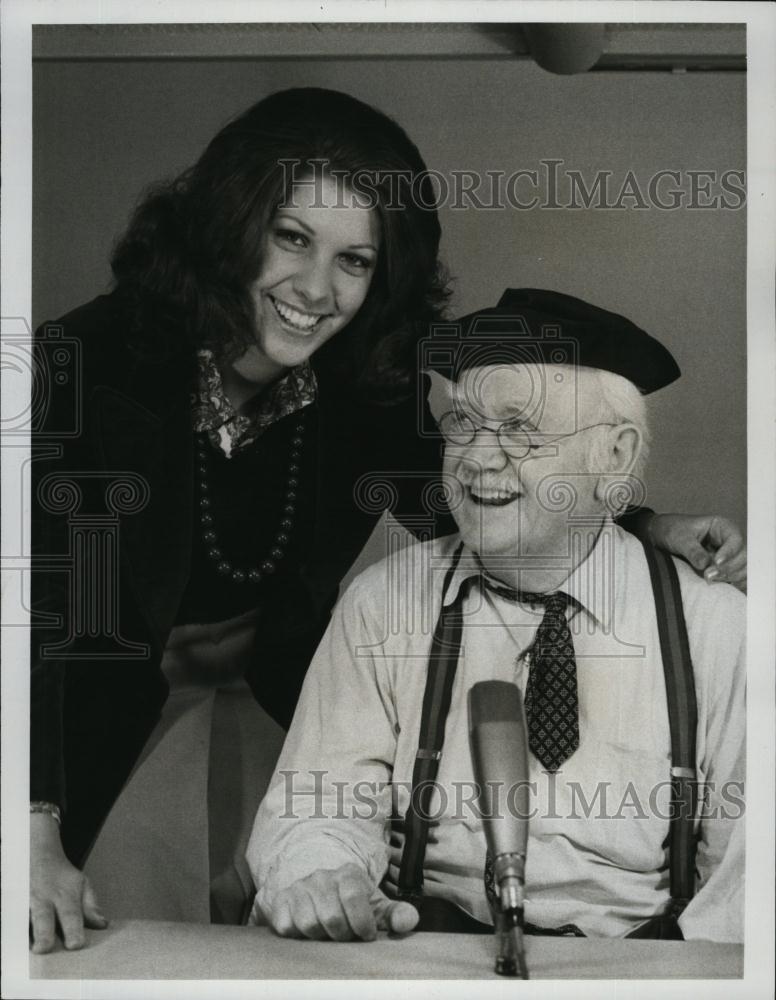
541 406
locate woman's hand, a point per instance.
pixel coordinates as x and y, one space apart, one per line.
713 545
59 892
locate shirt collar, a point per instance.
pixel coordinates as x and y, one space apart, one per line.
213 413
591 583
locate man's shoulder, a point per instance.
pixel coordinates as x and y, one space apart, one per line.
715 616
699 598
719 608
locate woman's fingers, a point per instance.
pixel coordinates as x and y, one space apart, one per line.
71 921
61 897
713 545
93 915
44 916
729 553
42 926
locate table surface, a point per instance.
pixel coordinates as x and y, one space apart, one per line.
144 949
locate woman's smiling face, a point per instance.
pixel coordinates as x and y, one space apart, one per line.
319 257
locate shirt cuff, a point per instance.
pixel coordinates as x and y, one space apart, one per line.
326 854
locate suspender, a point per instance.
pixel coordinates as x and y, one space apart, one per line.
682 717
442 663
683 723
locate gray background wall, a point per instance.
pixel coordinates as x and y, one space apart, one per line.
105 128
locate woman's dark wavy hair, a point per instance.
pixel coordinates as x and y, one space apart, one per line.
194 245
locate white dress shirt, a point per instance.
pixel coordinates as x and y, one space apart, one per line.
596 854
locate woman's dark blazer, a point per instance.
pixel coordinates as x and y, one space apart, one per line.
112 471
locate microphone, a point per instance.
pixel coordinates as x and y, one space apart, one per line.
499 749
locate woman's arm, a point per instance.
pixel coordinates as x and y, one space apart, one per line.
712 545
60 896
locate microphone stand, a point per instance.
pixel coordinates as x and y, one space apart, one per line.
507 909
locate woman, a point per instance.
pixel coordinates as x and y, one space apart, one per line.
240 460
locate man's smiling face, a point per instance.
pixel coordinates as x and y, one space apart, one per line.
506 506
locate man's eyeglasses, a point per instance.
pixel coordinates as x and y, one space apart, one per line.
513 438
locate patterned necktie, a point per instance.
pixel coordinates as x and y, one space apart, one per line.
551 702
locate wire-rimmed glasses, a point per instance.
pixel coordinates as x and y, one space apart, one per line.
514 438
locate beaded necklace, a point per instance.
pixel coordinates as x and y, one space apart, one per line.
227 567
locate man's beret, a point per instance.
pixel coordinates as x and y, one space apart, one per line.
536 326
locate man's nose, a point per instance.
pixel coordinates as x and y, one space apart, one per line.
313 283
484 452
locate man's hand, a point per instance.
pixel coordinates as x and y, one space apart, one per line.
59 892
339 905
713 545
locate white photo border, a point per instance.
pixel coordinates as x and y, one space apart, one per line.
18 16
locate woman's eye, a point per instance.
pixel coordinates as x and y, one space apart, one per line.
291 238
355 263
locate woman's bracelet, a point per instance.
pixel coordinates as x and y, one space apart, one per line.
47 807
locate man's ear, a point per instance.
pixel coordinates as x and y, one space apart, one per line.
622 452
625 447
